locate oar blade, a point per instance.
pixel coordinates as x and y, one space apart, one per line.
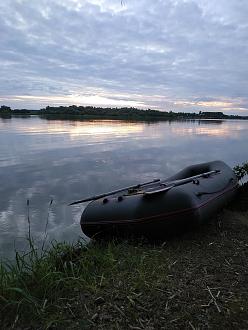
157 191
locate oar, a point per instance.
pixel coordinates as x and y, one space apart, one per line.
93 198
171 184
190 178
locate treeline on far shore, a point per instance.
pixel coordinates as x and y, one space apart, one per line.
7 111
85 112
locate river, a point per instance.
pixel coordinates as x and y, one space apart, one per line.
65 160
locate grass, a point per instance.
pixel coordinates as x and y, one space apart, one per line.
195 281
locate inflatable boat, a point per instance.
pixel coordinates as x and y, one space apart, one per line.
160 207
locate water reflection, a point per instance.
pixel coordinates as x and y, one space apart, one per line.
214 128
42 160
83 128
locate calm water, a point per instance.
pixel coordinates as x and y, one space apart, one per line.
43 159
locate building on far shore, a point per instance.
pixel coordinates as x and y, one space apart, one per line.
212 115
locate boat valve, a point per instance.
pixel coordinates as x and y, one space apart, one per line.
196 181
105 200
120 198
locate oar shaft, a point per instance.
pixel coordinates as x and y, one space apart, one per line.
93 198
190 178
171 184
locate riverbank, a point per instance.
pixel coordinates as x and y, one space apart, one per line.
195 281
123 113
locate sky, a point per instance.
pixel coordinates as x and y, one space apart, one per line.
169 55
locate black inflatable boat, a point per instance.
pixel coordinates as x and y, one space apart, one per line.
156 208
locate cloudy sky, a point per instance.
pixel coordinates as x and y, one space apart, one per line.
181 55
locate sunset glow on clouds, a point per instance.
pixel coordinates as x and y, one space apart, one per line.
181 55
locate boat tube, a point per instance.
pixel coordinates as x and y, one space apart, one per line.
160 207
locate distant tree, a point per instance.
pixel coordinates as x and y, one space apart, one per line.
5 109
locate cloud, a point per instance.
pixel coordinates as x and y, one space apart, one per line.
171 54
